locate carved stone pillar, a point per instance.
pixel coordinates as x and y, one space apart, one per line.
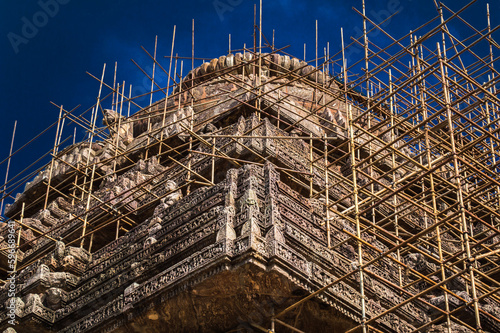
249 204
269 143
226 219
272 216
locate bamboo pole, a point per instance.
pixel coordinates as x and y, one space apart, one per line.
8 166
54 152
463 218
352 149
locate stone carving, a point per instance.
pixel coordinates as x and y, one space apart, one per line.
53 298
178 245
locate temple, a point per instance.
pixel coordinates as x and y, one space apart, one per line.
264 193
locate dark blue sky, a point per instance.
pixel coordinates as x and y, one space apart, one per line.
48 63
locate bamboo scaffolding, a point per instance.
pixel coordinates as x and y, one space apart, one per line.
421 138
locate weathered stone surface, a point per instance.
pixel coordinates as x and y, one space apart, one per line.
211 245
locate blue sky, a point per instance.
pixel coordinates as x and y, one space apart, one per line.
48 63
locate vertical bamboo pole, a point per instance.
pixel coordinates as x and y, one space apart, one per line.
151 98
192 83
129 100
327 195
492 90
254 33
352 149
19 237
75 184
114 87
415 71
328 58
191 127
260 60
168 87
435 213
175 73
488 21
87 206
8 167
260 27
115 159
311 170
279 109
393 166
76 175
95 110
493 152
316 67
213 161
192 53
272 47
117 233
54 152
458 183
92 132
117 142
244 57
60 133
323 70
369 94
154 69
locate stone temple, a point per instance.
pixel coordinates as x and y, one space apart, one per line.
264 194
